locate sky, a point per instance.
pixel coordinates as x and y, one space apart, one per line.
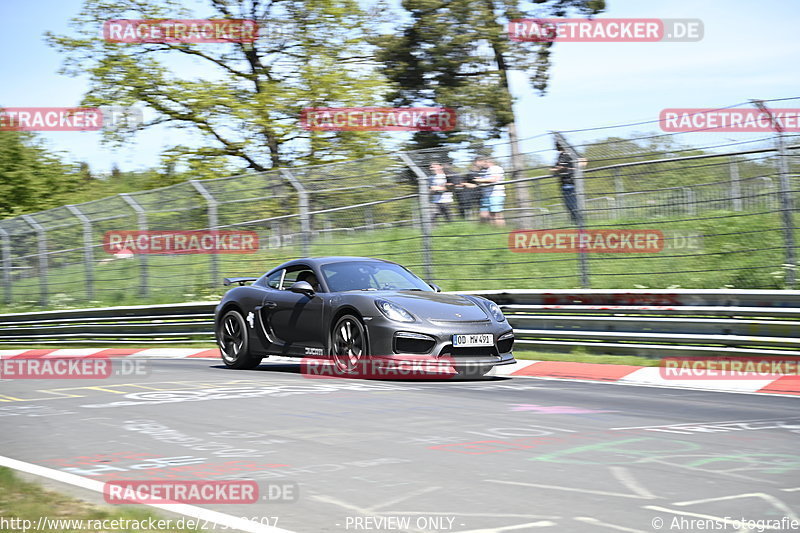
749 50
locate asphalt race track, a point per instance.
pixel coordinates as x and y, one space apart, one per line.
500 454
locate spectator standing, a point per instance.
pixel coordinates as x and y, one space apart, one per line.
493 195
564 170
466 191
441 196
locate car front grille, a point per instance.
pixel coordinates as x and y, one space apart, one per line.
467 352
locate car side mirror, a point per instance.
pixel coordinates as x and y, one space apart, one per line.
435 287
303 287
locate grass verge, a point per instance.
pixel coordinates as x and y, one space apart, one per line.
23 503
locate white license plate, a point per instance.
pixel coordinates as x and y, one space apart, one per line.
472 340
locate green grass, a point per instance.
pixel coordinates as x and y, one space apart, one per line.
582 357
22 500
466 256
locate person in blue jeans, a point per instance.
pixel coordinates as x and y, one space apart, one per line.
492 197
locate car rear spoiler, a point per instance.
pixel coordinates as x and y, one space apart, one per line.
240 281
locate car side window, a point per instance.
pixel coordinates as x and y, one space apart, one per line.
274 280
300 273
289 279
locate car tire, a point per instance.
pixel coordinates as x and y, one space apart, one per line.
472 371
234 342
348 343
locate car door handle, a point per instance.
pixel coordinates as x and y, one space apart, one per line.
270 305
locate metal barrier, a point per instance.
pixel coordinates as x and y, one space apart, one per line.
652 323
655 323
147 324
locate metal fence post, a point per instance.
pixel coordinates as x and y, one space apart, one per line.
619 188
520 188
736 185
424 212
691 201
41 238
580 194
5 260
303 207
213 222
786 211
785 192
88 249
141 216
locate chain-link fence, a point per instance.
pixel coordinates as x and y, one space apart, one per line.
723 204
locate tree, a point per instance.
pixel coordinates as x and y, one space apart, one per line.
85 171
31 177
243 99
456 53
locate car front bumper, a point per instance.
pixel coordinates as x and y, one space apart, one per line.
383 333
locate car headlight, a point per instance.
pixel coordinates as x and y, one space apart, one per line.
496 312
393 311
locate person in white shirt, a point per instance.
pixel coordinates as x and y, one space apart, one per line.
441 196
493 197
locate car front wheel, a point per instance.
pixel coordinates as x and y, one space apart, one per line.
349 341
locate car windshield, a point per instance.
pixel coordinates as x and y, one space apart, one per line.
370 275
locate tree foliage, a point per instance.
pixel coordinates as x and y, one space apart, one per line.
456 53
32 178
244 100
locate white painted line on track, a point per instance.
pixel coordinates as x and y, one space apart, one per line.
11 353
172 353
652 375
657 386
231 522
74 352
713 423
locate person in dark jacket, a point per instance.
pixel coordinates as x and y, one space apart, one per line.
466 191
564 170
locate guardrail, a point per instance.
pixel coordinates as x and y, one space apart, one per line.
146 324
655 322
652 323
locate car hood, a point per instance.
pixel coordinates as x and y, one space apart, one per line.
438 306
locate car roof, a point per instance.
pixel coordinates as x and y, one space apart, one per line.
319 261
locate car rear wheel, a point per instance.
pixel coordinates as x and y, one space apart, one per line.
234 343
349 342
